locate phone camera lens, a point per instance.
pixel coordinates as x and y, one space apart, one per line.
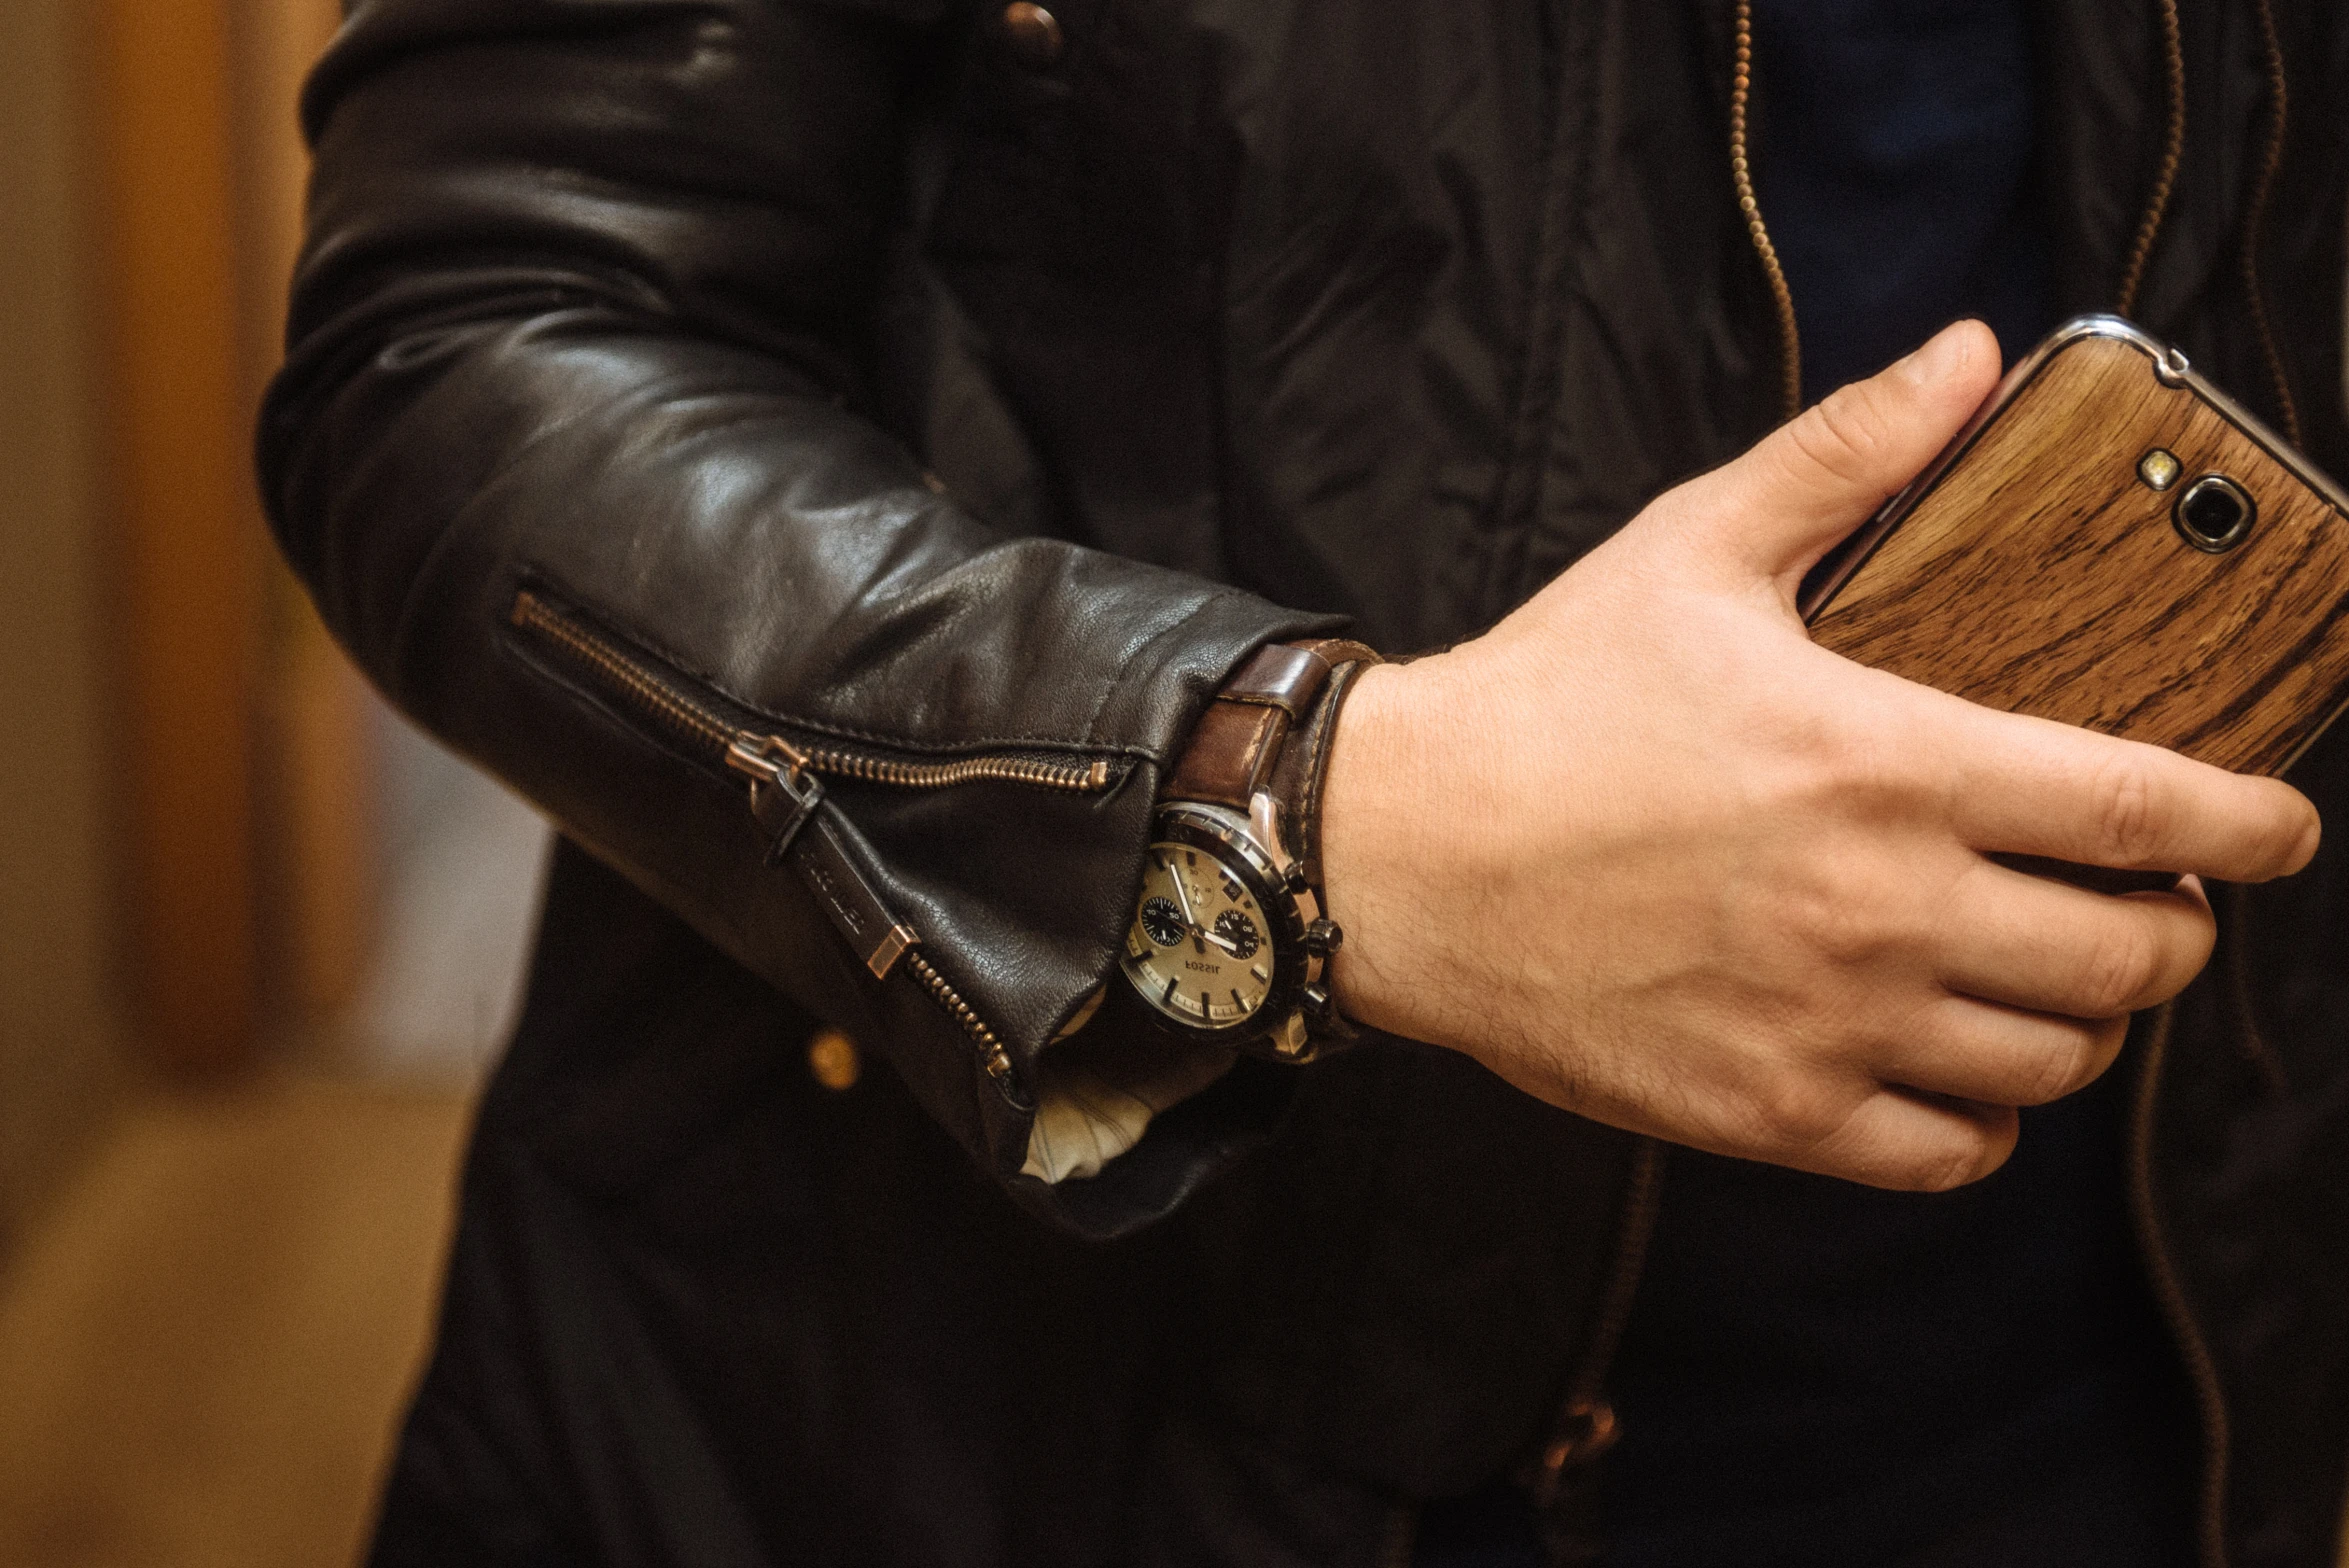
2214 513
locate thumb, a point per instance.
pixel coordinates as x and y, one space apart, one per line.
1813 480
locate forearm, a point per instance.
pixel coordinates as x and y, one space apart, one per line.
532 410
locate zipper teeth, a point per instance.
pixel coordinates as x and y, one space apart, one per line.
698 724
1631 1251
2263 187
1584 1426
705 728
680 714
1071 777
1790 343
2165 176
2250 1040
997 1060
2201 1367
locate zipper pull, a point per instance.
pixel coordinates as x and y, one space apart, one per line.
784 796
1586 1430
783 793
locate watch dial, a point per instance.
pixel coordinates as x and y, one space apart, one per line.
1197 950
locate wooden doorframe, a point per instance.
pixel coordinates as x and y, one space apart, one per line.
186 628
322 871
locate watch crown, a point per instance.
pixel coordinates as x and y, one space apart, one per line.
1323 938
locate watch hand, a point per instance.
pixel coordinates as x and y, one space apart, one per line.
1224 942
1182 897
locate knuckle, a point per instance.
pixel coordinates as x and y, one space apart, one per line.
1828 920
1866 772
1848 914
1795 1113
1841 434
2117 971
1967 1158
2127 826
1848 762
2057 1072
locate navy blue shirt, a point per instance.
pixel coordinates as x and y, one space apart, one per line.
1820 1373
1893 159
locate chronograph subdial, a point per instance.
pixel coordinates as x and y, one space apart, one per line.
1239 932
1162 922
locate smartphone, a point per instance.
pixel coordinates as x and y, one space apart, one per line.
2115 543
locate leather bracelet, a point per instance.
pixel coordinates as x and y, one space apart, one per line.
1297 784
1300 791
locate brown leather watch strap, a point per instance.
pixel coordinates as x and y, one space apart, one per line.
1238 739
1268 732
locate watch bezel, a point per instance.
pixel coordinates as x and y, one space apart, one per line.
1228 837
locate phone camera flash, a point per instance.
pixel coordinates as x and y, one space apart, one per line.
2159 469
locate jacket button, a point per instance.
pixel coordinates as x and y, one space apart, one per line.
1034 33
832 1060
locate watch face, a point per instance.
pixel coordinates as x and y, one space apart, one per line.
1200 949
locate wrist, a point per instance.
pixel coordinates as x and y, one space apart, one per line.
1238 954
1361 818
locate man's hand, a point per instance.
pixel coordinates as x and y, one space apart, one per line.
1651 855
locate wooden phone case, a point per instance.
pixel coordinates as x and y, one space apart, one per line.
2031 568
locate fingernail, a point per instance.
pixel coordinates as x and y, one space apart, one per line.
1943 356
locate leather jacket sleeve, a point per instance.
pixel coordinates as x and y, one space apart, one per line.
570 449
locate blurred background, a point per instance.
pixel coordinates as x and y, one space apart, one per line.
258 939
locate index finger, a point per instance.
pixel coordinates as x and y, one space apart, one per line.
2032 786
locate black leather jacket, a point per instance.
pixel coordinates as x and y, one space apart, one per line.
959 403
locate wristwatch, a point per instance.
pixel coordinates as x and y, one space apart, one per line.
1230 934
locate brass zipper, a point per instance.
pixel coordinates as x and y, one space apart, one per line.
630 677
1071 778
992 1056
1586 1426
622 676
2255 214
1790 343
2201 1367
785 796
2165 175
